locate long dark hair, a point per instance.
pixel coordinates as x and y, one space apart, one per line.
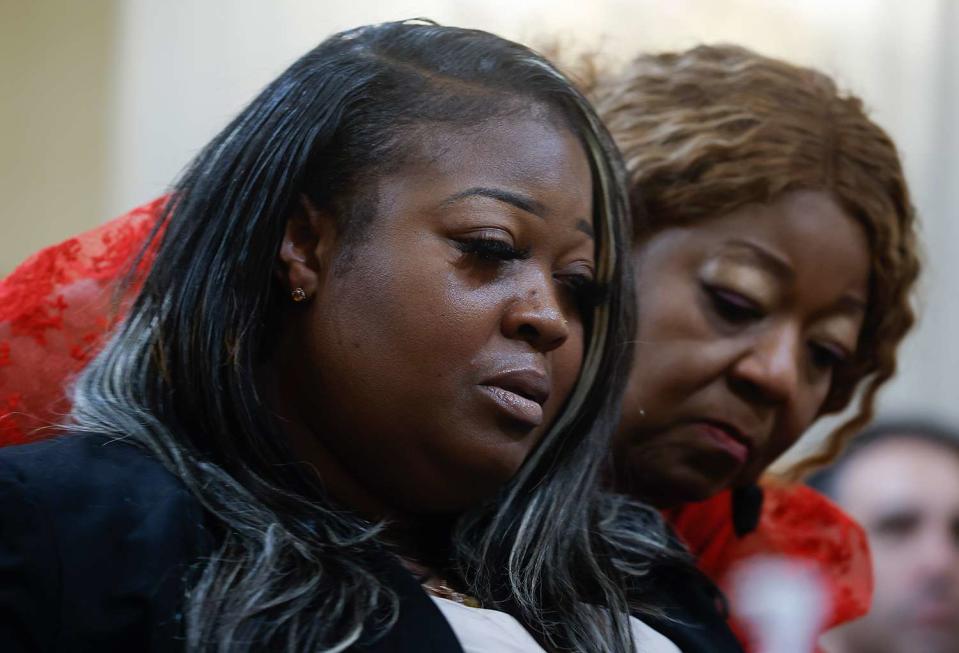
178 375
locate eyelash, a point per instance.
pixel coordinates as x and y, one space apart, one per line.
826 357
737 309
585 291
732 306
897 526
492 250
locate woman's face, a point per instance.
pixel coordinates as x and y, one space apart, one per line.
742 319
436 351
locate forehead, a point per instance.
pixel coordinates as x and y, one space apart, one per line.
532 151
804 226
825 249
900 473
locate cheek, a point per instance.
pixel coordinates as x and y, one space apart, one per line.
411 302
895 564
794 423
674 352
399 327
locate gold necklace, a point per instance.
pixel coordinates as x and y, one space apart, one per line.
444 591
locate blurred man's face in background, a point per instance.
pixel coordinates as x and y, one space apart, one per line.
905 493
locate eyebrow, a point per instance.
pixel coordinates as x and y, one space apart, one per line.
848 304
771 262
586 228
520 201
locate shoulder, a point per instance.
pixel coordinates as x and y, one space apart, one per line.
93 491
87 482
96 537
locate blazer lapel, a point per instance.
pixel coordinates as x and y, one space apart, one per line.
420 627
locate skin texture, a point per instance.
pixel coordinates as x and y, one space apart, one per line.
905 493
390 376
741 320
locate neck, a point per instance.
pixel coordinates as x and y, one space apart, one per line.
421 539
622 482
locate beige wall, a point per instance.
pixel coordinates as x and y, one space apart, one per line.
56 69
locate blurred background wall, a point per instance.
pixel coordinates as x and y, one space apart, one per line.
104 101
57 65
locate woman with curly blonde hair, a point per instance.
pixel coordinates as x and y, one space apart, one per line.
776 253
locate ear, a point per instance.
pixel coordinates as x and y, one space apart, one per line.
306 252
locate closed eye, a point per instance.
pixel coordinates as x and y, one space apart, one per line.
896 525
491 250
732 306
827 356
585 291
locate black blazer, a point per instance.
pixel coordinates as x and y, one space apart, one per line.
96 538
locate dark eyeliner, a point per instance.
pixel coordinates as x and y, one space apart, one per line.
827 357
731 305
491 249
588 293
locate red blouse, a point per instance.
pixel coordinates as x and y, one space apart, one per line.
58 305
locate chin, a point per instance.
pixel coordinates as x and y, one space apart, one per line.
449 497
468 487
681 488
495 472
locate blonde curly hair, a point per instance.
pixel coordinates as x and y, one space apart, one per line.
708 130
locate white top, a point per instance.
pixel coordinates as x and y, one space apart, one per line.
490 631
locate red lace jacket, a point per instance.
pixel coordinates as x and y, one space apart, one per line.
57 307
795 521
55 310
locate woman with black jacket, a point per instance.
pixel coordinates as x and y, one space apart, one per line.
379 350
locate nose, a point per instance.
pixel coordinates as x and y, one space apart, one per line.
536 317
938 556
769 368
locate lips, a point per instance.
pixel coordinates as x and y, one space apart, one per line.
728 438
519 394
